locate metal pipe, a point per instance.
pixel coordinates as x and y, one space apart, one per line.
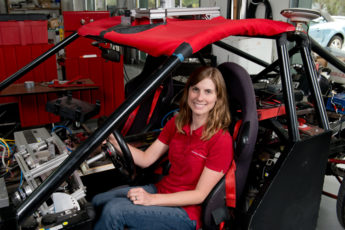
272 66
289 98
38 61
241 53
330 195
95 158
322 52
201 59
311 73
73 161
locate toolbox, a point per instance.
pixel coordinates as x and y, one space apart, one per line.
336 103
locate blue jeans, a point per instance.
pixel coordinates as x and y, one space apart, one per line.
119 212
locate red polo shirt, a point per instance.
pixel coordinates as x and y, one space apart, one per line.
188 155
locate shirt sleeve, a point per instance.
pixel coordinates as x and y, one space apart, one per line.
168 132
221 152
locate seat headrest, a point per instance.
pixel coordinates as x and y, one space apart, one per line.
239 86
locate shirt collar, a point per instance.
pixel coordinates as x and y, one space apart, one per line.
198 131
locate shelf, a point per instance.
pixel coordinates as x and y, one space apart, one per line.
32 8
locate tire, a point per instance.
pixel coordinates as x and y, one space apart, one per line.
341 204
336 42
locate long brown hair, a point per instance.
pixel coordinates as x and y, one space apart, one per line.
219 116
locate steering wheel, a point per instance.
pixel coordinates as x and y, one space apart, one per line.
123 162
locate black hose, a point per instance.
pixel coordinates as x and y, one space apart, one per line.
253 7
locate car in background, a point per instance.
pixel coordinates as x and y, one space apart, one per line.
338 17
328 31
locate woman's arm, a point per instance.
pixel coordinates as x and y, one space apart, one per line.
208 179
144 158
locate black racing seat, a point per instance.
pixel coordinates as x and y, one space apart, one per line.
243 107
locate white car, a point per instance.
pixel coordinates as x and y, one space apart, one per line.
327 30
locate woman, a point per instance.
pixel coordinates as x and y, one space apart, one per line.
200 152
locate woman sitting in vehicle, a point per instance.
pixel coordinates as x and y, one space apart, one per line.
200 153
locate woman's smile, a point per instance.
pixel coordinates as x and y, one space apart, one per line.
202 97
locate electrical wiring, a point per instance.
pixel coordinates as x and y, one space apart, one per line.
5 148
9 147
3 152
61 126
9 170
166 115
4 143
21 179
8 140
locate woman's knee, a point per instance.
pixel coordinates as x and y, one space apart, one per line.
99 200
113 212
102 198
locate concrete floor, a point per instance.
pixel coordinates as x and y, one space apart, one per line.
328 212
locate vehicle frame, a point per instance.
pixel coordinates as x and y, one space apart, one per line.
290 198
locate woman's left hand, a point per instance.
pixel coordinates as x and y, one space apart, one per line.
140 196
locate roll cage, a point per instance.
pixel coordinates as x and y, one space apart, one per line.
305 160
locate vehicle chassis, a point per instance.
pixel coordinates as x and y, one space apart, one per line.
286 202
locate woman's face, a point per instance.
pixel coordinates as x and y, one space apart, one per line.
202 97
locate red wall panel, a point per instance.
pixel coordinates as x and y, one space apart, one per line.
32 107
21 41
23 32
106 74
4 75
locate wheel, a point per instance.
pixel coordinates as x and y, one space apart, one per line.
341 204
130 166
122 161
335 42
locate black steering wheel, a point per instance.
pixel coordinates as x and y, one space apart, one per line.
123 162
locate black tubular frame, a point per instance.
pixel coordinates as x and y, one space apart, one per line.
315 47
304 46
241 53
289 97
43 192
310 69
38 61
73 161
322 52
272 67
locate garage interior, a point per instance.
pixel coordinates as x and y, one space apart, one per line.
74 90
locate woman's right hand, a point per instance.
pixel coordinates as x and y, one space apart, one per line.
142 159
